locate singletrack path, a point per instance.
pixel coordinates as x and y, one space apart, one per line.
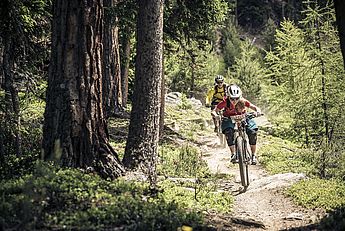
263 206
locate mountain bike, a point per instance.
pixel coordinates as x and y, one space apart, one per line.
242 147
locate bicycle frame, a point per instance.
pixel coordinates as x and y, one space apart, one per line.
242 147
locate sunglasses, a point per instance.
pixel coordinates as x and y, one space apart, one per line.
234 99
219 82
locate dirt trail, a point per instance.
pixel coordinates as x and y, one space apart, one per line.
263 206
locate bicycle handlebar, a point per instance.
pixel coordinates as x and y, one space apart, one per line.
248 115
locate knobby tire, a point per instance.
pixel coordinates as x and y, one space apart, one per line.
241 152
220 134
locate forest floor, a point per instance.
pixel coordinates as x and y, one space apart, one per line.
263 206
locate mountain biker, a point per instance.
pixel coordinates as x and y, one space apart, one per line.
215 95
235 104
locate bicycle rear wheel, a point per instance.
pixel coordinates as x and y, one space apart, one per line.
221 136
243 164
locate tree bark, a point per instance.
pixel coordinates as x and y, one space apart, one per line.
340 18
143 137
126 51
11 97
75 129
112 94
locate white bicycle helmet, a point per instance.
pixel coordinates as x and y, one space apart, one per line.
219 78
234 91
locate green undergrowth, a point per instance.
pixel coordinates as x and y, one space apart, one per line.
279 155
282 156
196 187
319 193
52 198
199 197
183 161
188 121
118 131
328 194
35 195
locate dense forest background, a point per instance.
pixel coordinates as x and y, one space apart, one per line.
70 68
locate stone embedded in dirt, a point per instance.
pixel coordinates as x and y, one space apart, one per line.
294 216
276 181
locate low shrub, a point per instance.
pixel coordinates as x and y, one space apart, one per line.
53 198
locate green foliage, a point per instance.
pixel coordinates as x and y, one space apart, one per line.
193 20
208 199
252 13
118 132
69 198
184 161
269 34
188 122
319 193
306 75
190 73
231 44
248 71
31 119
282 156
12 166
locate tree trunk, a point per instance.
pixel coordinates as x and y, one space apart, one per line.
126 51
11 98
324 102
75 129
142 143
340 17
112 94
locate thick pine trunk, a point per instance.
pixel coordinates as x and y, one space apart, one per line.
340 16
75 130
142 143
112 94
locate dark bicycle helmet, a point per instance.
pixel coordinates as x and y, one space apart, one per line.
219 79
234 91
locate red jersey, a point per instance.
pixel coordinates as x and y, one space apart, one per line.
231 110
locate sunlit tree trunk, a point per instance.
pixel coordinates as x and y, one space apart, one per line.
75 129
142 143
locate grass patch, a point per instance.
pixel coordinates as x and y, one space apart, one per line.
204 198
188 122
184 161
283 156
319 193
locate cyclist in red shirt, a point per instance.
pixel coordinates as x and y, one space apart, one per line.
228 105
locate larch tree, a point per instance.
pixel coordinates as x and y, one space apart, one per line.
75 130
143 137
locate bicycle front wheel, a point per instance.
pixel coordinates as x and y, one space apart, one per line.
243 165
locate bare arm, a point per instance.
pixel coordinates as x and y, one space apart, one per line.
255 108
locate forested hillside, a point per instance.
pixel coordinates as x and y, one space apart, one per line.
103 122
